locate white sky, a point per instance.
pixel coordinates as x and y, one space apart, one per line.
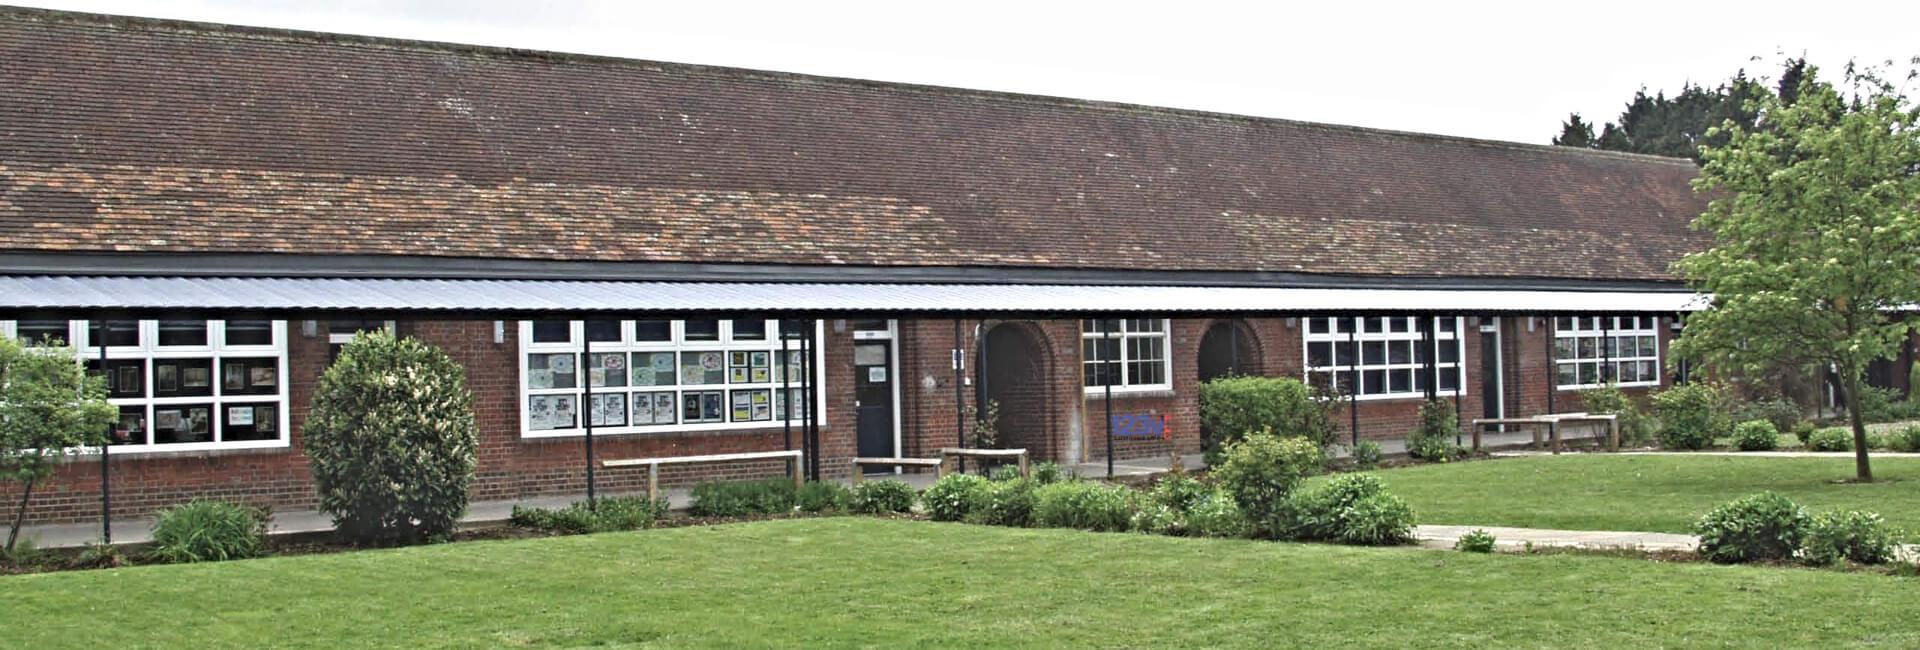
1488 70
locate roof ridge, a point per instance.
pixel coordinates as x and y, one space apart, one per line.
33 14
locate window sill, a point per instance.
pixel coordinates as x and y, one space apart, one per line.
576 436
118 454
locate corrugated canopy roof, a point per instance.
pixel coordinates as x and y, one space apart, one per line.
453 298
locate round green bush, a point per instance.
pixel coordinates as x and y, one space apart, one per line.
1850 535
1831 439
883 496
1084 505
1350 509
1636 428
1756 435
1048 472
391 439
1691 416
1367 454
206 530
949 498
824 496
1262 470
1235 407
1217 515
1433 438
1906 440
1803 430
1164 508
1756 527
1477 541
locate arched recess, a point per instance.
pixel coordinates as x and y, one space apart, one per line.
1017 371
1221 353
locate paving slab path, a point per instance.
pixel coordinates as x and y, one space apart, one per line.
1517 539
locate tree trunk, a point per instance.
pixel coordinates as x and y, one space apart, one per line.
19 516
1862 470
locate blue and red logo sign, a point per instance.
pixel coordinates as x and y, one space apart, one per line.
1143 426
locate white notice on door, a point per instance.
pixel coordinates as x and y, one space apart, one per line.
877 375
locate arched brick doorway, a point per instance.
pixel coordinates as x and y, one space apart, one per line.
1221 354
1016 376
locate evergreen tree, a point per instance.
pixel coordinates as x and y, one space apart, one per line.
1679 125
1575 132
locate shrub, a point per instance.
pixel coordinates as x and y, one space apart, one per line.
1233 407
391 439
1885 405
1877 440
1477 541
1350 509
742 498
1849 535
206 530
1261 470
1905 440
1366 455
603 515
1433 439
823 496
1164 508
1691 416
1756 435
883 496
1763 526
949 498
1048 472
1004 472
1083 505
1804 430
1782 413
98 555
1913 382
1217 515
1003 503
1831 439
48 405
1636 429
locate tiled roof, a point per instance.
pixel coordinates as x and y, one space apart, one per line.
126 134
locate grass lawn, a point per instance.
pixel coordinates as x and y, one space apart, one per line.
1658 493
848 581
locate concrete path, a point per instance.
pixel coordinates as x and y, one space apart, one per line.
285 522
1517 539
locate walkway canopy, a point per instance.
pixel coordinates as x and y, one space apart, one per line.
495 298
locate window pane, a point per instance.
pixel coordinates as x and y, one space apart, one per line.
237 377
1449 352
249 332
1374 325
1373 382
1400 352
1400 324
603 331
34 332
183 333
1319 353
794 328
1563 348
653 408
182 424
1589 348
751 329
552 331
1343 353
1420 381
1448 324
1400 381
702 329
548 412
653 330
702 368
1373 353
1563 323
244 422
1567 375
132 429
1343 325
1449 381
120 333
192 378
1144 373
1649 346
652 369
607 370
546 371
1649 371
1319 325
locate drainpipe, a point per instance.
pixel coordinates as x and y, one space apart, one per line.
585 410
106 471
1107 379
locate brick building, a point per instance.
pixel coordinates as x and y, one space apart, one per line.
648 247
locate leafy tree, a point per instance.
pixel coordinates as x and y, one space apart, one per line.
48 406
1575 132
1816 236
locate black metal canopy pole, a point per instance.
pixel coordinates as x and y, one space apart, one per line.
959 400
812 429
786 391
106 471
1106 379
1459 376
1233 347
1353 373
1553 378
585 411
1606 349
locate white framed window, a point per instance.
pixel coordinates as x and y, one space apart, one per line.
1590 351
1129 354
1387 354
184 385
659 375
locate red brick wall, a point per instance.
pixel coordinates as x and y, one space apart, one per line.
1054 416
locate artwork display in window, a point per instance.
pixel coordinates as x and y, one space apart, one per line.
196 377
263 376
265 419
234 378
551 412
166 378
608 410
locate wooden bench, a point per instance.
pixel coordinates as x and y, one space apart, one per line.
793 457
1551 422
859 463
948 453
